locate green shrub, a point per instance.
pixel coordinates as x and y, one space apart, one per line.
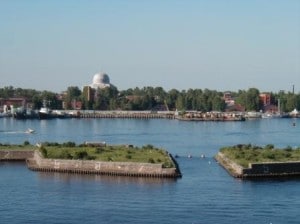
43 151
288 148
149 146
151 160
80 154
65 154
98 150
69 144
269 146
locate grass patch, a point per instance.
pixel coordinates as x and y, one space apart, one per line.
245 154
25 146
119 153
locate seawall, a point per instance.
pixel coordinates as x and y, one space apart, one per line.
38 163
15 155
126 114
259 170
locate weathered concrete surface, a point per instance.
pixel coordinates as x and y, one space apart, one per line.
38 163
256 170
273 169
233 168
16 154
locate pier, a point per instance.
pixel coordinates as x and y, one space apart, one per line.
126 114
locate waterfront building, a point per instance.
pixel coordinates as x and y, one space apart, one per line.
227 97
90 92
265 98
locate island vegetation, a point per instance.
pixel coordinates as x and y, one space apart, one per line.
244 154
114 153
25 146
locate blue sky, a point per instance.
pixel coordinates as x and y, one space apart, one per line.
215 44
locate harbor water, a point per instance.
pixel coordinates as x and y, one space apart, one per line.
205 194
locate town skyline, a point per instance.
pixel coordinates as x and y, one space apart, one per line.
220 45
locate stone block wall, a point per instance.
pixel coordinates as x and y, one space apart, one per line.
273 168
38 163
16 154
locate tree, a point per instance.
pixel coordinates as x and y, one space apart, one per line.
218 104
249 99
73 93
171 98
50 100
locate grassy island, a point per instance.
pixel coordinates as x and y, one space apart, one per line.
94 158
114 153
99 152
244 154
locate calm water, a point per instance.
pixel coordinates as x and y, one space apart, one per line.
205 194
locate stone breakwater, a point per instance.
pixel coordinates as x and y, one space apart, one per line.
15 155
259 170
36 162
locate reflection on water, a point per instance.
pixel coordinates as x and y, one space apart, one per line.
70 177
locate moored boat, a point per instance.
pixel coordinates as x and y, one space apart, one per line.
45 113
23 113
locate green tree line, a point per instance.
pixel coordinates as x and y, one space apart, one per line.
151 98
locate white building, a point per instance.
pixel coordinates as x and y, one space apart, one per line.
100 80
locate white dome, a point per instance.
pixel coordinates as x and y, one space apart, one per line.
101 78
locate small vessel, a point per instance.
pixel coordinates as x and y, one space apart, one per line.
22 113
45 112
253 115
295 113
29 131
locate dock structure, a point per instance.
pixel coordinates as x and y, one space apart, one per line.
126 114
210 116
148 114
187 116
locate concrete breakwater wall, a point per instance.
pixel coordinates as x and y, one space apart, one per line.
15 155
38 163
126 114
273 169
233 168
258 170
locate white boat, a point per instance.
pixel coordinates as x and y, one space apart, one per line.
271 115
29 131
253 115
44 113
295 113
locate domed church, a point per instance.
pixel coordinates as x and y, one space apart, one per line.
100 80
